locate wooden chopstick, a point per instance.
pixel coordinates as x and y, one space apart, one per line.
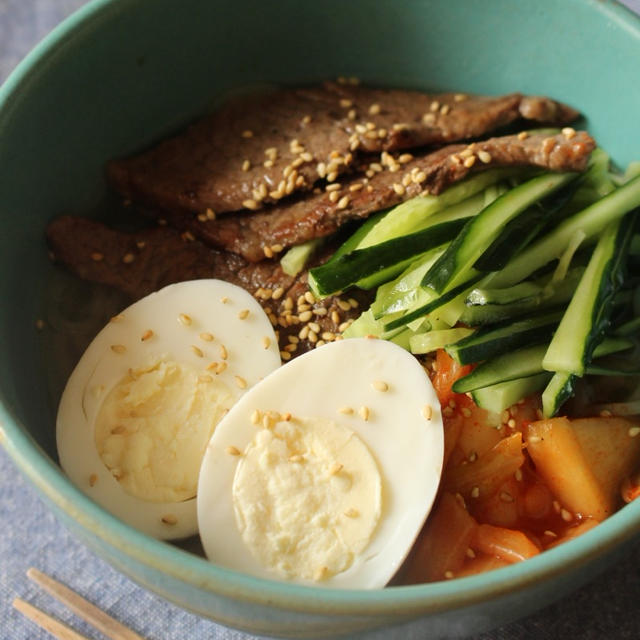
45 621
107 625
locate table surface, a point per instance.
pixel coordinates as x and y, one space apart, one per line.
31 535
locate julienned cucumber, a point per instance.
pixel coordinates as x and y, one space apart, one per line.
591 221
493 341
410 216
587 316
352 267
455 265
559 389
523 363
499 397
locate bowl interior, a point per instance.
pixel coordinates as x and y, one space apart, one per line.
119 75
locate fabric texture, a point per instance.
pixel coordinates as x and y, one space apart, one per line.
31 536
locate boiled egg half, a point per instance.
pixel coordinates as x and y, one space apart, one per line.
141 405
324 472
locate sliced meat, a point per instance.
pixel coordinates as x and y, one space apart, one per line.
259 149
291 223
143 262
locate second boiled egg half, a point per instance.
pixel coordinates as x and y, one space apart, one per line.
324 472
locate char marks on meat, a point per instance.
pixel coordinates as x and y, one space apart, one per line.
142 262
318 215
259 149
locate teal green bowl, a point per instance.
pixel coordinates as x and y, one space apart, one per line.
121 73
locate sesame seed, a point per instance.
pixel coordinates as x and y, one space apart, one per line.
40 324
268 252
285 355
427 412
96 256
247 133
518 475
118 318
251 204
197 351
484 156
169 519
207 337
296 458
569 132
428 118
246 165
374 109
286 417
447 411
449 575
444 109
256 417
511 423
211 215
221 367
241 382
243 314
505 496
435 105
223 352
523 135
404 158
320 311
309 297
548 145
305 316
364 413
470 553
315 327
232 451
380 385
343 203
118 348
534 439
567 516
347 411
605 413
346 103
148 334
634 431
473 456
351 512
335 468
184 319
459 97
331 177
128 258
469 162
141 244
93 478
466 412
398 188
202 217
224 299
551 534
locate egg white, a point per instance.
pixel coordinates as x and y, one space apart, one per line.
407 446
212 306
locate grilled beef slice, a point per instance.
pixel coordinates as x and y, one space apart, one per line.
142 262
317 215
260 149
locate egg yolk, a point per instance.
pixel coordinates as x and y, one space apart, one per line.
307 496
153 427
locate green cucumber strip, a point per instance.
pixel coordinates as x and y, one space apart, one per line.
487 343
552 296
503 395
352 267
630 328
430 306
295 259
458 260
521 364
565 259
518 293
358 235
591 221
588 313
408 216
521 230
559 389
403 292
434 340
599 370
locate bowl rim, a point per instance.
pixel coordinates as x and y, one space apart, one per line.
186 567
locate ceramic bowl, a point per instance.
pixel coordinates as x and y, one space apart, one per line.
122 73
